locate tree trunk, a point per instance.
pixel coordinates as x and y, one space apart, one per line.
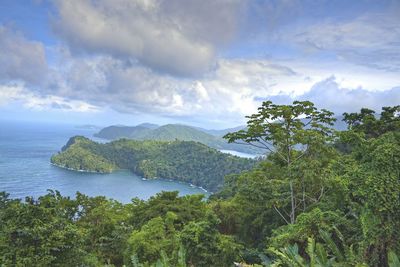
292 213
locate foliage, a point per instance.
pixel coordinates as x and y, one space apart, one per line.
179 160
290 133
156 236
172 132
345 189
367 123
37 233
76 157
206 246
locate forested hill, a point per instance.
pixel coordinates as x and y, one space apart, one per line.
170 132
186 161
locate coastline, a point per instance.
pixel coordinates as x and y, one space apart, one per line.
72 169
143 179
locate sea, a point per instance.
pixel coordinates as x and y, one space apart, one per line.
25 169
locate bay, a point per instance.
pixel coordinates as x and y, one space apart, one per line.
240 154
25 169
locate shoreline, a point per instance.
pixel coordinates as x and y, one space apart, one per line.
75 170
142 178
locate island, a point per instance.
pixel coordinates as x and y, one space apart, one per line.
185 161
171 132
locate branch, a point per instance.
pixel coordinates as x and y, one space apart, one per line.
287 214
298 203
312 119
322 193
249 144
283 217
301 155
265 144
261 146
315 200
279 153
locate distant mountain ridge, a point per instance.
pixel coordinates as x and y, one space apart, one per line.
171 132
223 131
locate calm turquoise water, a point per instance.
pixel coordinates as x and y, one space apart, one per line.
25 169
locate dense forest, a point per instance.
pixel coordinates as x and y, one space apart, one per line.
171 132
185 161
320 198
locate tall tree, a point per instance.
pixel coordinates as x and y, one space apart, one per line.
288 133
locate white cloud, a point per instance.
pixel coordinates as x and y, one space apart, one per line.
371 39
178 37
21 59
229 90
9 93
17 93
331 94
227 93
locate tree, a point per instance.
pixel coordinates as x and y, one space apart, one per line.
288 133
39 232
205 246
104 225
367 122
156 237
375 188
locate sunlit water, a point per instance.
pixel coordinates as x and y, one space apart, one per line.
25 169
240 154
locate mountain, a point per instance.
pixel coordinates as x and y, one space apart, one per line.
116 132
222 132
172 132
186 161
149 125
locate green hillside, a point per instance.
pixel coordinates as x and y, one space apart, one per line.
186 161
222 132
76 156
116 132
172 132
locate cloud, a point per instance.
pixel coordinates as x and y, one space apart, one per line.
176 37
165 58
371 39
21 59
235 88
227 91
331 95
56 105
9 93
18 94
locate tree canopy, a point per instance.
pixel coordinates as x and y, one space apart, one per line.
345 204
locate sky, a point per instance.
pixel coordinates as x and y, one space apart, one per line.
206 63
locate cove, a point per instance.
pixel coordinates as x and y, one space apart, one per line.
25 169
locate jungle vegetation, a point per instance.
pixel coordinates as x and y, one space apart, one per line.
185 161
319 198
